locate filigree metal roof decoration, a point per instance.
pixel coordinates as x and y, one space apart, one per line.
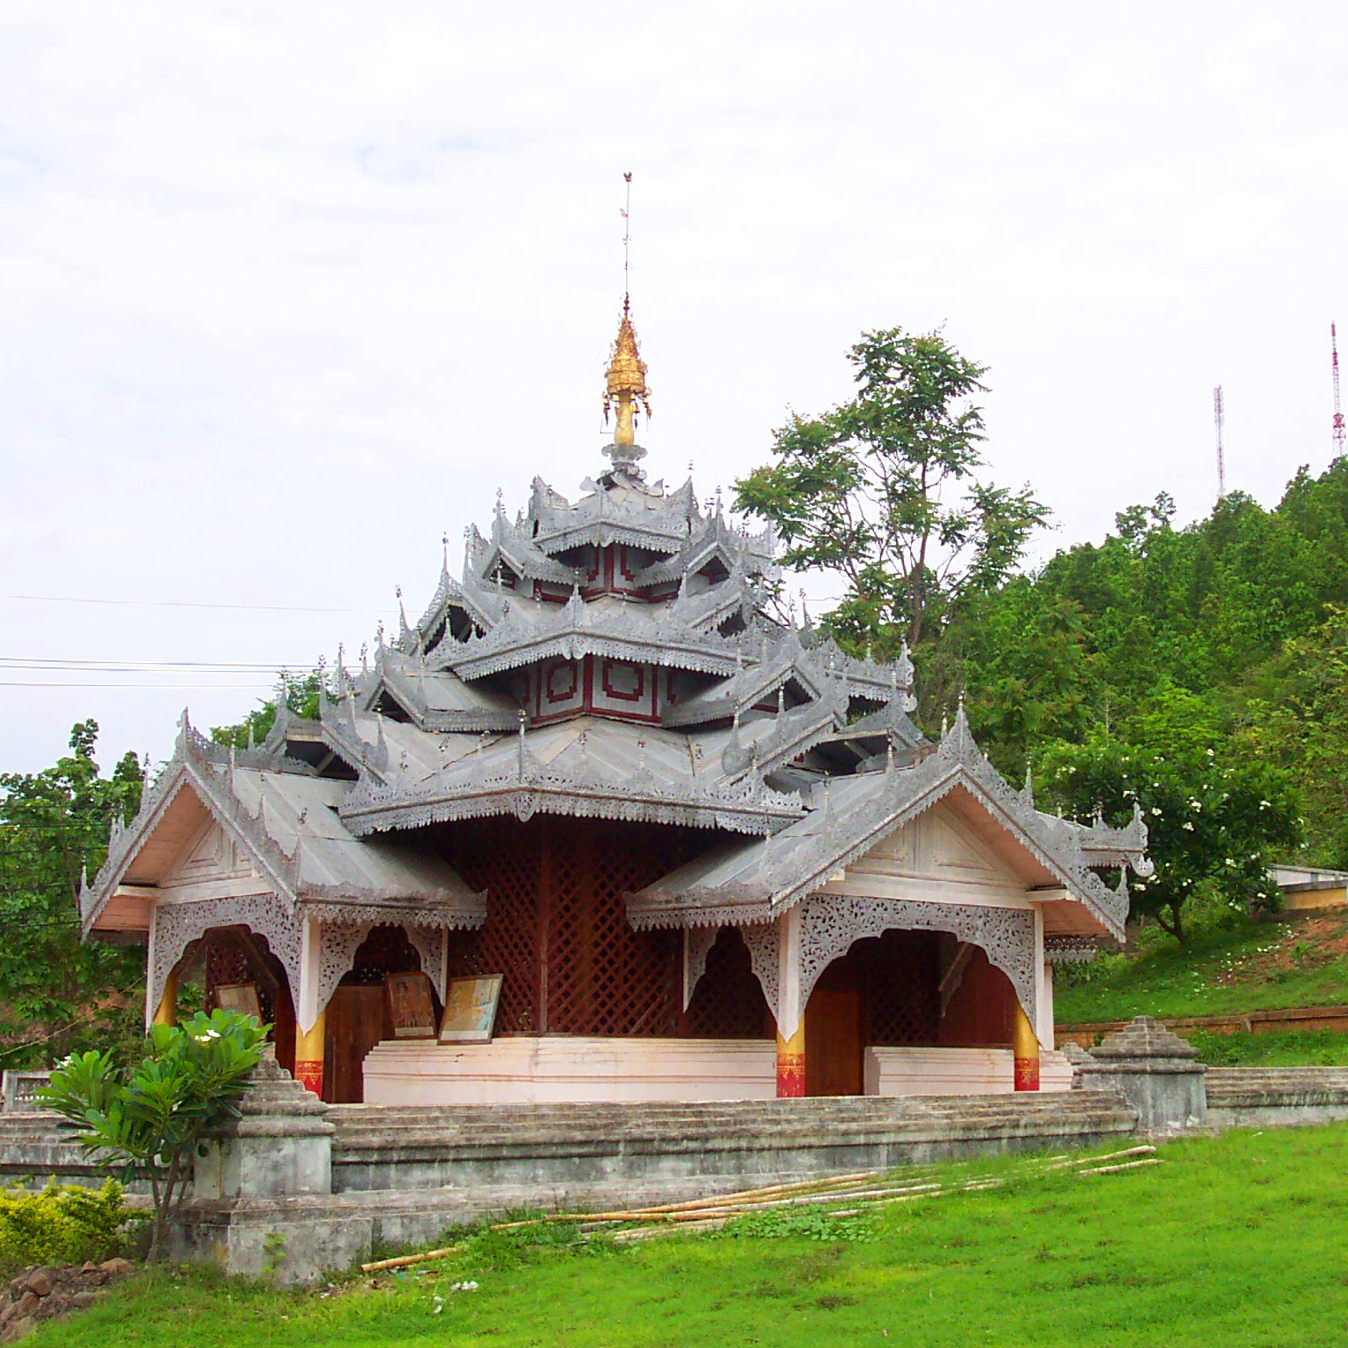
765 731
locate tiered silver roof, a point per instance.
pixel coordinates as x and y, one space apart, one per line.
801 755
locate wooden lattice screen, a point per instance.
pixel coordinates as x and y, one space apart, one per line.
900 972
728 1002
557 926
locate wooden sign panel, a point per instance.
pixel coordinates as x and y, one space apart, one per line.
470 1010
411 1005
239 997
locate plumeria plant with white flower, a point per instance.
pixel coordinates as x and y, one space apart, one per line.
149 1118
1215 822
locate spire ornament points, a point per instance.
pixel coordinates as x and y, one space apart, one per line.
626 393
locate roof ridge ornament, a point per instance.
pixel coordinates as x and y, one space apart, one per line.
626 393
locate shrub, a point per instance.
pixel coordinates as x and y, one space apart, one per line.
60 1224
152 1117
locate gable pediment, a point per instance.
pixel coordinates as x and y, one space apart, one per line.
212 855
938 856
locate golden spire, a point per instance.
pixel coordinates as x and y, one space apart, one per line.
625 384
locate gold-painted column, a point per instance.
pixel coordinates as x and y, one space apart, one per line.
791 1064
1025 1051
309 1053
166 1013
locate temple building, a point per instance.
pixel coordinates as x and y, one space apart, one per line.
708 854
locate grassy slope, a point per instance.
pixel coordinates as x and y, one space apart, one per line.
1237 1240
1270 966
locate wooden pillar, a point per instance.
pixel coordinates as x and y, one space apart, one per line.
790 1013
1025 1050
309 1054
166 1013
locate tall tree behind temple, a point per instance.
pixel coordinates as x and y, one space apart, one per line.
56 993
883 491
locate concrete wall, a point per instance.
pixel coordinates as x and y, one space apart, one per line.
955 1071
520 1069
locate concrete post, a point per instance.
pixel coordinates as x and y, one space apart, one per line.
1155 1071
281 1143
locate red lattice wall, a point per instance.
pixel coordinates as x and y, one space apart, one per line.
898 977
557 926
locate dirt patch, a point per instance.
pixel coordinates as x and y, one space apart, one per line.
46 1291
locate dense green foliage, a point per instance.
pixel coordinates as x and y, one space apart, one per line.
60 1224
1234 1240
882 490
56 993
1235 621
151 1117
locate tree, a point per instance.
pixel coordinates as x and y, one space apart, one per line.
56 992
1297 717
1217 819
152 1117
882 490
301 696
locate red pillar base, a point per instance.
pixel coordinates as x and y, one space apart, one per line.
310 1075
1026 1072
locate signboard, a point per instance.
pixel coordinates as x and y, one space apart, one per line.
239 997
411 1005
470 1009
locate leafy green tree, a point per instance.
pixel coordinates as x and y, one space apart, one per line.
152 1117
882 490
1217 819
56 992
1297 717
300 695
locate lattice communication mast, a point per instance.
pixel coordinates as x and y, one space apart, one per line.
1339 437
1219 421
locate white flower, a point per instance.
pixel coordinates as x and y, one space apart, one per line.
1156 809
1189 824
1230 861
1265 804
1211 754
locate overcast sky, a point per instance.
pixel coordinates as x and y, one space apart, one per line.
290 290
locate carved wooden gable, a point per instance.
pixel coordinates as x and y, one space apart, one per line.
211 857
935 856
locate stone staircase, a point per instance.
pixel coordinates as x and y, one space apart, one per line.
458 1146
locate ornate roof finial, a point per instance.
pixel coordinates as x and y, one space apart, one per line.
625 392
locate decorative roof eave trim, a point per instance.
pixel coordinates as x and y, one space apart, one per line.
279 871
573 644
326 905
602 533
525 799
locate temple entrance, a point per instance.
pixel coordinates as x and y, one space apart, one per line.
235 956
356 1018
833 1035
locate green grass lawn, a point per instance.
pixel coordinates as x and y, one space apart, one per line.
1260 967
1237 1240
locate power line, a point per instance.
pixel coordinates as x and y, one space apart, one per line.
186 603
130 666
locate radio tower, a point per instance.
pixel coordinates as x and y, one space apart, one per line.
1219 420
1338 411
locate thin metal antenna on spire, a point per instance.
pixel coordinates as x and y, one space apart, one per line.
627 239
1339 432
1219 421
